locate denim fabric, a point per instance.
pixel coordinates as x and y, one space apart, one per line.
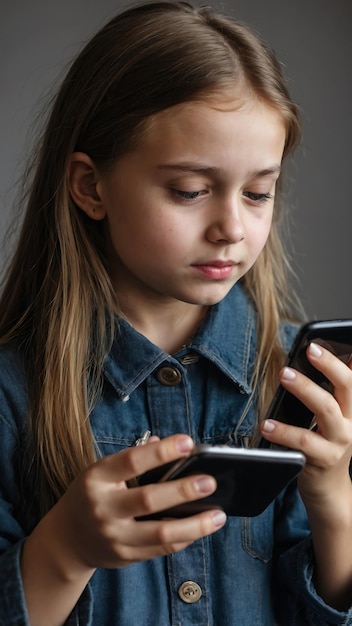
254 571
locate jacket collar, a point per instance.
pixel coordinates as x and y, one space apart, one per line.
226 337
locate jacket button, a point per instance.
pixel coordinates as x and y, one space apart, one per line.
189 592
169 376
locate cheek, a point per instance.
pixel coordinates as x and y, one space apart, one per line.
148 238
259 233
169 231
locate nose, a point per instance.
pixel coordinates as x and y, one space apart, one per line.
226 225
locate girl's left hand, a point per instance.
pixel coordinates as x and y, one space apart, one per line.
325 480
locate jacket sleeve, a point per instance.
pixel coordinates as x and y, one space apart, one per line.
13 610
296 599
298 567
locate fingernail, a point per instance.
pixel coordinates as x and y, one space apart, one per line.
184 444
205 484
315 350
219 518
268 426
288 374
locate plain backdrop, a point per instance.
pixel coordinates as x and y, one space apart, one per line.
312 38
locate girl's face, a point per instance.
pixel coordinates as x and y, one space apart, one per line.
189 210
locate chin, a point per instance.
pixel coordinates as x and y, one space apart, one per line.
208 299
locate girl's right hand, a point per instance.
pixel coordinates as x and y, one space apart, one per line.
93 525
97 513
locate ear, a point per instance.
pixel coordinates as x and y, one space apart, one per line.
83 185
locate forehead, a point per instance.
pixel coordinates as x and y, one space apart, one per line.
208 108
214 123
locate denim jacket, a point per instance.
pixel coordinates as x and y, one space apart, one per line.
254 571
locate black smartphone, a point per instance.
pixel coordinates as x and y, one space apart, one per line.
336 336
248 480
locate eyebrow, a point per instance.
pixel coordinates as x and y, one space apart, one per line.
205 169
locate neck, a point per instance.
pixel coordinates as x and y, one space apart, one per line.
169 326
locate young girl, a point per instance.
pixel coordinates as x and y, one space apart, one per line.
147 294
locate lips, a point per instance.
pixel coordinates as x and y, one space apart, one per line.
218 263
216 270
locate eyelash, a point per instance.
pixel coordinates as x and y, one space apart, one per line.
260 198
188 196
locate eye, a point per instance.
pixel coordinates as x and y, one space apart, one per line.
259 198
188 196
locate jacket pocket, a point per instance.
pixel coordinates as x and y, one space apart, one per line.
257 535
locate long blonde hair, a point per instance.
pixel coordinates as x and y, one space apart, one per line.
57 301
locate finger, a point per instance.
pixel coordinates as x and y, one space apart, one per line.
153 438
153 498
131 555
320 402
318 450
337 372
330 410
166 536
134 461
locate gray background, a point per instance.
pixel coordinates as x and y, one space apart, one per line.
313 40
